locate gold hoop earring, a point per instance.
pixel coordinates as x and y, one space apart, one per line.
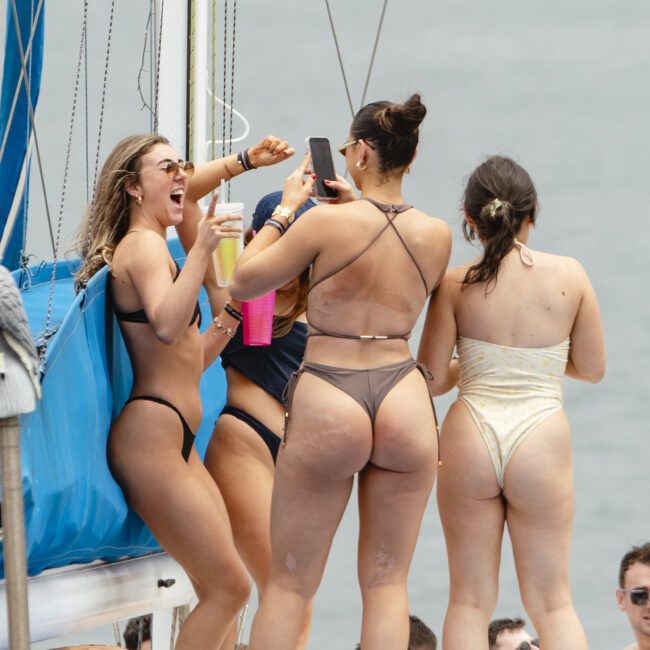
359 165
138 199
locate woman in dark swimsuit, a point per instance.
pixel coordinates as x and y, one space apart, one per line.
140 192
359 403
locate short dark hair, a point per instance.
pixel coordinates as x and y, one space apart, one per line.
499 625
132 631
635 554
420 636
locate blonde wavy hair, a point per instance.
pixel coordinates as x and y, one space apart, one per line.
106 219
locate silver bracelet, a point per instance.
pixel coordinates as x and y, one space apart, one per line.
276 224
220 327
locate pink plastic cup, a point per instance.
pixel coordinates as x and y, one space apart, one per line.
258 319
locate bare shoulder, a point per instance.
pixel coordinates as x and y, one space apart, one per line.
435 225
143 248
568 268
452 282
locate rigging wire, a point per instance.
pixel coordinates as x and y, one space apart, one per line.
32 120
228 101
160 32
27 139
338 54
66 170
87 140
147 30
91 213
225 73
19 83
213 103
340 58
374 52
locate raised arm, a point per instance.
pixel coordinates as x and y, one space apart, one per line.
208 176
271 260
206 179
587 354
439 336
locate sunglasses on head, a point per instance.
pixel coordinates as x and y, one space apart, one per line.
172 167
638 596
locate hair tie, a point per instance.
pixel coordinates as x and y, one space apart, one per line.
494 205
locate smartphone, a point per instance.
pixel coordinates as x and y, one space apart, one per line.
321 161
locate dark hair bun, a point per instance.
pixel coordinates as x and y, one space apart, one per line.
402 119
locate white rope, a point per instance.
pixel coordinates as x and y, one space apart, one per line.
234 112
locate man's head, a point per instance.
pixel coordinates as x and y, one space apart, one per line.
138 628
420 636
509 634
632 595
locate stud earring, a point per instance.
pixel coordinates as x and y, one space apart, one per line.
138 199
361 165
407 171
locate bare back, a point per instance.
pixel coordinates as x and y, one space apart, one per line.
528 306
372 277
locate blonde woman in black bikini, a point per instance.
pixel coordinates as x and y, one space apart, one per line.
140 192
520 320
359 404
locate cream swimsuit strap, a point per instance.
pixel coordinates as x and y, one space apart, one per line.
525 254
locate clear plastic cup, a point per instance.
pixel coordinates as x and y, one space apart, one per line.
228 250
258 319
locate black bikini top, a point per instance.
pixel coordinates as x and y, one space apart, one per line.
268 367
140 316
386 209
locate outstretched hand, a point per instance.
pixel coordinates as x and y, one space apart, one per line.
211 229
270 151
299 186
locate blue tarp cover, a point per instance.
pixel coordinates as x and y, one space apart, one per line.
74 510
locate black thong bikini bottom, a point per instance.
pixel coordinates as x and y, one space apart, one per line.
271 439
188 435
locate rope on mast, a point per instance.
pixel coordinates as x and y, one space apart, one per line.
160 33
232 79
91 213
213 103
66 170
225 72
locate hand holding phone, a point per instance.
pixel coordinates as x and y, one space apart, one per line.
323 167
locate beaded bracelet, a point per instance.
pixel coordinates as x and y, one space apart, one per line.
244 160
231 311
220 327
276 224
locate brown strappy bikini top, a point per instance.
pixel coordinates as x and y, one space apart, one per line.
386 209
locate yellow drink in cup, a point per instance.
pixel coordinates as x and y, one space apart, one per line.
227 252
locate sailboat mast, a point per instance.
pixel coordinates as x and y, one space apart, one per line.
174 70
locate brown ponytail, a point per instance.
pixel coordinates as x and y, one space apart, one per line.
499 196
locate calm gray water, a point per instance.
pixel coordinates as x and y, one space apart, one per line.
561 86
